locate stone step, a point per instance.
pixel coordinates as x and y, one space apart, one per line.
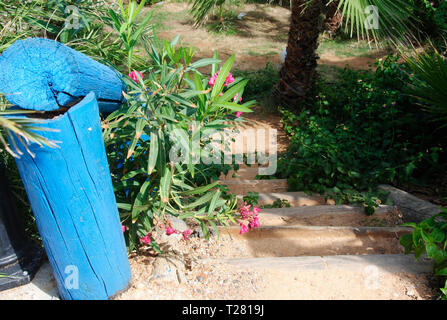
288 241
324 215
295 199
393 263
242 187
344 277
245 173
253 138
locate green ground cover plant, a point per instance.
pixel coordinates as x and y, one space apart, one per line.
363 130
430 237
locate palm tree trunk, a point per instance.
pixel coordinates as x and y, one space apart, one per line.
298 72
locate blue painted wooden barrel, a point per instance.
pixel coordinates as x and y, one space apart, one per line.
71 194
43 74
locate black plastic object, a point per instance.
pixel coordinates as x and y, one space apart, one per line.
20 258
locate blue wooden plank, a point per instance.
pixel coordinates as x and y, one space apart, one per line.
71 194
43 74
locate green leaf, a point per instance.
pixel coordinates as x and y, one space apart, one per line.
232 106
205 230
165 185
132 174
407 242
230 93
136 35
175 41
153 152
213 202
140 199
161 159
215 65
216 229
124 206
138 131
220 81
204 199
442 272
438 236
203 62
200 190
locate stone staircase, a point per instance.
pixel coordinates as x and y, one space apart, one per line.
315 235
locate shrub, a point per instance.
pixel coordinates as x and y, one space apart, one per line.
357 133
430 16
261 82
430 237
166 111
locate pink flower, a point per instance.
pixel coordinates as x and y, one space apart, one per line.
255 223
123 228
186 234
146 239
235 98
238 114
228 80
256 210
245 211
244 228
212 80
170 231
134 77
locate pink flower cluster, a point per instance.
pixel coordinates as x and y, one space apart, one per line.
134 77
251 216
169 230
228 80
185 234
147 238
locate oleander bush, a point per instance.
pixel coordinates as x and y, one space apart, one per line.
169 104
158 143
165 111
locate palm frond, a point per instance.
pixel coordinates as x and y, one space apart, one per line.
393 19
24 130
201 8
429 85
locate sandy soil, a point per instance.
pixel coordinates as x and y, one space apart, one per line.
261 37
210 279
259 118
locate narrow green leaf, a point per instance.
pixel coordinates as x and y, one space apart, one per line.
153 152
200 190
213 202
220 81
232 106
165 185
203 62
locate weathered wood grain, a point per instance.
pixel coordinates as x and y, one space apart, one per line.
42 74
71 194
